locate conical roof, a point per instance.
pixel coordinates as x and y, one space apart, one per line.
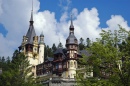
71 38
31 31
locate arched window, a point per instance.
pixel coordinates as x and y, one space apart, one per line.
74 64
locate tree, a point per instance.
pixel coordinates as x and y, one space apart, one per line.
88 42
109 60
54 47
8 60
3 59
0 59
60 45
48 52
18 73
81 44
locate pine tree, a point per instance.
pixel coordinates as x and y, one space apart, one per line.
60 45
54 47
18 73
81 44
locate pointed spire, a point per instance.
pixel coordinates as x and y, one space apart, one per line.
31 31
31 19
42 34
71 25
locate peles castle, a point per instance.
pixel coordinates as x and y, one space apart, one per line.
57 70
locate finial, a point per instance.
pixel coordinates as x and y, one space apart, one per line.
32 5
31 19
71 25
42 34
71 20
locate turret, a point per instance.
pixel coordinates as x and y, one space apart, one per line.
41 49
72 47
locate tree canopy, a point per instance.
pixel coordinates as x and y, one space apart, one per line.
17 72
109 60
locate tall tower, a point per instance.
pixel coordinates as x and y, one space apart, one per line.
41 49
30 44
72 48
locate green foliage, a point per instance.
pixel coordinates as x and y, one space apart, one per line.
88 42
110 55
54 48
48 52
60 45
81 44
18 72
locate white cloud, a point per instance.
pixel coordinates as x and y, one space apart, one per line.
115 21
15 14
86 24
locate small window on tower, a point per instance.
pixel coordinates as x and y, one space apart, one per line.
35 49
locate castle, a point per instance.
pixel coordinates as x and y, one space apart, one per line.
57 70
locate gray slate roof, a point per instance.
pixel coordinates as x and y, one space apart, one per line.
59 50
71 38
31 31
62 51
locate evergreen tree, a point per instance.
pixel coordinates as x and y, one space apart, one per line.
0 62
48 52
8 60
3 59
18 73
54 47
88 42
81 44
60 45
0 59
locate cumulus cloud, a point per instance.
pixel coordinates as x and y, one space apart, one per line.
115 21
15 14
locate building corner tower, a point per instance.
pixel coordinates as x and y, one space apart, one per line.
29 44
41 49
72 49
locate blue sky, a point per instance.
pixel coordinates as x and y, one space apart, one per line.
106 8
53 18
